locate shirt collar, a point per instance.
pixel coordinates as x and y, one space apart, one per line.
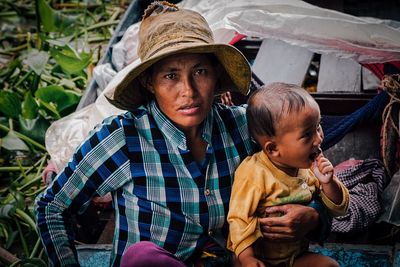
302 173
176 136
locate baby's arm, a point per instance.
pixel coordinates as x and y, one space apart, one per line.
323 170
247 258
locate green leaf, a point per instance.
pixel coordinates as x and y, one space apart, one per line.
34 128
60 41
5 73
15 198
33 262
12 142
37 60
10 105
62 99
7 211
3 121
67 83
29 107
12 236
45 108
69 60
52 20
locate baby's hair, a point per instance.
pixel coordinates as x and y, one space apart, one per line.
268 104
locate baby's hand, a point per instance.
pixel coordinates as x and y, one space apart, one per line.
323 169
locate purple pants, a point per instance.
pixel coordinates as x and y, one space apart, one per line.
148 254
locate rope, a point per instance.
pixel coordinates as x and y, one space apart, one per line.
390 118
368 113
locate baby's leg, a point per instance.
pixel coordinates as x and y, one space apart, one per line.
315 260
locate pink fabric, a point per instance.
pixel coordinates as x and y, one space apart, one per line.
346 165
148 254
237 38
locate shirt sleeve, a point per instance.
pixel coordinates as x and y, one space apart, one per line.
98 166
337 209
244 228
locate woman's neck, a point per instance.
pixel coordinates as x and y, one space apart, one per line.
196 144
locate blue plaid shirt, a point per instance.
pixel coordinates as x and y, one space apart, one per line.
160 193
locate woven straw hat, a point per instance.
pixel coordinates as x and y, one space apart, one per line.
167 30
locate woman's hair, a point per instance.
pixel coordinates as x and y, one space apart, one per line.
268 104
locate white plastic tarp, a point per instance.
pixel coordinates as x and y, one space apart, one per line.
323 31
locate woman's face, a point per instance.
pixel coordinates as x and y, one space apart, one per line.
183 86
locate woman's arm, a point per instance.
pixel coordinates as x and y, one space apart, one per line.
71 192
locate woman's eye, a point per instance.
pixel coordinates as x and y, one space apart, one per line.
200 71
170 76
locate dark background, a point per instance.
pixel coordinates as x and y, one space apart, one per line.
384 9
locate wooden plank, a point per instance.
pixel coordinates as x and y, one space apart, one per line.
348 102
347 255
6 257
338 75
350 255
107 235
277 61
94 255
396 258
369 80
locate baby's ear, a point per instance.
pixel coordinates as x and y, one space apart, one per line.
270 148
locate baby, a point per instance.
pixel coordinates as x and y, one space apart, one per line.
284 120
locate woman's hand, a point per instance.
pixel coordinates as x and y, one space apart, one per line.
296 222
226 99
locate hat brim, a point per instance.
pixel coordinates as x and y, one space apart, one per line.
236 75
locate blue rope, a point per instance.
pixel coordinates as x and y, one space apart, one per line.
370 112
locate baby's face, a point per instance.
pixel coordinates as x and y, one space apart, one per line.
299 137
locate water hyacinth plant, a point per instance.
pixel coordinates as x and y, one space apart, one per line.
47 51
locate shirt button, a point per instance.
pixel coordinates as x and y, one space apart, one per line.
207 192
210 233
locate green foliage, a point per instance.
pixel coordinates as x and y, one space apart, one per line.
29 107
37 60
47 70
10 104
12 142
57 97
52 20
69 60
46 48
34 128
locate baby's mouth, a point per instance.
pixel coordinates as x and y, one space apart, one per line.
315 154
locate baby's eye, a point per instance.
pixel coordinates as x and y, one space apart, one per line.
307 135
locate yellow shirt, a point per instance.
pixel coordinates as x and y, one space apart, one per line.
259 184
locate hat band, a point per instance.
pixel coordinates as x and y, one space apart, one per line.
172 44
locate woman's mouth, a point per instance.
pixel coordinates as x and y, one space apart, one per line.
190 109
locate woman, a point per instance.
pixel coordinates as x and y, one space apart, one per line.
169 161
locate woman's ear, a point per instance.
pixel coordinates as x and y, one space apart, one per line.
145 81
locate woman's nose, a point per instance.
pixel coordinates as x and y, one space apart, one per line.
189 87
